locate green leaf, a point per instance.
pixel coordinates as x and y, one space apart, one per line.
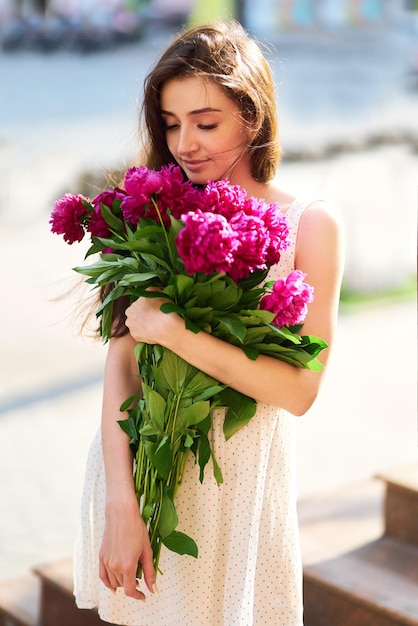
240 409
250 352
156 406
150 447
94 248
149 430
106 321
192 326
204 453
144 232
168 517
226 298
158 261
95 269
198 384
176 226
129 427
234 326
296 356
111 297
147 512
250 317
197 312
171 307
181 544
163 458
192 415
313 344
114 222
183 283
137 279
256 334
216 470
209 392
139 347
254 280
128 403
175 370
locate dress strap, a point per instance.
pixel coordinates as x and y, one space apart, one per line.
293 215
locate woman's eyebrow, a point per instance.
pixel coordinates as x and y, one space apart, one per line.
195 112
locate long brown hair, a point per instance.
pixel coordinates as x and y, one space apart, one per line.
225 54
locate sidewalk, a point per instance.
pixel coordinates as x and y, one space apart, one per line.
65 114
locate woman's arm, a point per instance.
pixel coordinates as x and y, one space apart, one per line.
125 540
319 255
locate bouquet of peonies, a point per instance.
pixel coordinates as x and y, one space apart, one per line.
207 252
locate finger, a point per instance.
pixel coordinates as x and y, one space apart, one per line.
148 570
132 589
104 577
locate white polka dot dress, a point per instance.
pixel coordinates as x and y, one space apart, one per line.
249 570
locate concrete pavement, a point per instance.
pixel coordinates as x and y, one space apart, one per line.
65 114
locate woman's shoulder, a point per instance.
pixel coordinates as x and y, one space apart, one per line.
312 211
320 213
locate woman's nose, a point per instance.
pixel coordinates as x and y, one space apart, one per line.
186 142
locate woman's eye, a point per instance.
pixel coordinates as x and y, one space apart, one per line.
168 127
207 126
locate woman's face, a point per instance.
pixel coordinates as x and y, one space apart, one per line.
204 131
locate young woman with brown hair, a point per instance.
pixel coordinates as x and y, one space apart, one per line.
209 105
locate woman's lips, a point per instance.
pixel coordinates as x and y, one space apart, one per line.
194 166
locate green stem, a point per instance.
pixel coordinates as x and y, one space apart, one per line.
173 257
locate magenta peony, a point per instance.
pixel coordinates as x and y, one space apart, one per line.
140 184
206 243
176 194
278 230
97 226
223 198
253 238
68 216
289 299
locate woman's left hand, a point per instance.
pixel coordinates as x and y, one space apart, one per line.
148 324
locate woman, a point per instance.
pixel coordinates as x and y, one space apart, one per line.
209 106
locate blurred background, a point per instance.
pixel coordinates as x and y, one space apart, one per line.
71 74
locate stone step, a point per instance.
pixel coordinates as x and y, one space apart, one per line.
57 600
374 585
401 503
43 598
20 601
340 520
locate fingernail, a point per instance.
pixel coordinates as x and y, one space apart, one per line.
155 589
142 598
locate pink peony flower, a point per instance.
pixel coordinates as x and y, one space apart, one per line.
68 216
206 243
223 198
231 200
98 227
278 229
140 184
253 238
289 299
176 194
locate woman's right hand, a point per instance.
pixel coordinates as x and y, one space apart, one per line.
125 543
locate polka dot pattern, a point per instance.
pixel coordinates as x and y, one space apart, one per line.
249 570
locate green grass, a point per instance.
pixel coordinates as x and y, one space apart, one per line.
407 290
